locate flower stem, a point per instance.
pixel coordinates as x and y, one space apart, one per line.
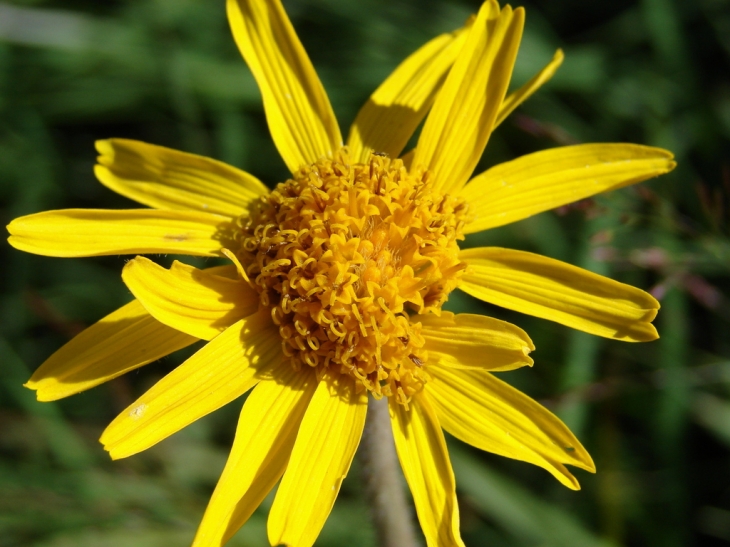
384 481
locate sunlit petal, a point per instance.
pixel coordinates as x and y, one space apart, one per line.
190 300
267 429
168 179
392 113
519 96
461 120
227 367
325 445
122 341
97 232
467 340
547 179
554 290
298 111
485 412
425 461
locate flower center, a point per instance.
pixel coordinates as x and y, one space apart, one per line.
342 253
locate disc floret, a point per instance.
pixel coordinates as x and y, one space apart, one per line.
342 254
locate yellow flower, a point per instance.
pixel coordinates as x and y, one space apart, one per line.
338 276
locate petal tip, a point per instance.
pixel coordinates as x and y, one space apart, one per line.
105 148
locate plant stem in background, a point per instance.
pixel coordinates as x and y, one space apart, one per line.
384 486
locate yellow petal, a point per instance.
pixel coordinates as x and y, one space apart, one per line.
392 113
190 300
466 340
551 289
122 341
544 180
518 97
227 367
298 111
168 179
267 429
98 232
425 461
461 120
408 158
323 452
485 412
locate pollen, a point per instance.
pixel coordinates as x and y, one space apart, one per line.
343 254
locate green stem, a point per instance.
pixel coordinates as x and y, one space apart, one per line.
384 481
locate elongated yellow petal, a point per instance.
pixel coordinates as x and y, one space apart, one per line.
190 300
392 113
462 118
227 367
98 232
425 461
408 158
551 289
168 179
485 412
122 341
466 340
326 443
298 111
547 179
267 429
518 97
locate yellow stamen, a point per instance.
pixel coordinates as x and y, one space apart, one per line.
342 253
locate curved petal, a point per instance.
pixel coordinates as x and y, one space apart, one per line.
485 412
224 369
164 178
551 289
392 113
408 158
325 445
474 341
518 97
425 461
298 111
99 232
122 341
462 118
190 300
267 429
547 179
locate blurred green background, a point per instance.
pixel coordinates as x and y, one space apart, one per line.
655 417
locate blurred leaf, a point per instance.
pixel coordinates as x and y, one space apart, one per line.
525 516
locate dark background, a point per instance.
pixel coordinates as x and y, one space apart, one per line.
655 417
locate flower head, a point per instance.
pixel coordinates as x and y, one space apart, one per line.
338 276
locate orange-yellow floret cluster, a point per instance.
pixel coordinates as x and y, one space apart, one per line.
341 254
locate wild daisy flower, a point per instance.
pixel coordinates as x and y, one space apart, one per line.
338 276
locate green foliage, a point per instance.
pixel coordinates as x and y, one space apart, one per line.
656 417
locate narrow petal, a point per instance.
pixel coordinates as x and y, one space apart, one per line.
408 158
547 179
227 367
193 301
98 232
518 97
485 412
425 461
323 452
122 341
462 118
392 113
267 429
298 111
168 179
551 289
474 341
